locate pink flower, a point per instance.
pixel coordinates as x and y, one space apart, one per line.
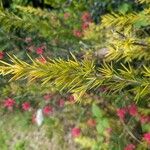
26 106
129 147
121 112
86 17
144 119
9 103
66 15
133 110
61 103
47 110
47 96
85 26
91 122
146 137
75 132
71 99
1 55
39 50
77 33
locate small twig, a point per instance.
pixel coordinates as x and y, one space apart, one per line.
130 133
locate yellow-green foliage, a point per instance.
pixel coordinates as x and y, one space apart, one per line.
124 68
85 142
32 20
35 11
79 77
95 34
126 22
144 1
123 36
74 76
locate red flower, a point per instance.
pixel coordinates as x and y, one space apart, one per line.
61 103
77 33
71 99
85 26
129 147
133 110
146 137
86 17
42 60
39 50
26 106
75 132
47 96
47 110
144 119
121 112
66 15
9 103
1 55
91 122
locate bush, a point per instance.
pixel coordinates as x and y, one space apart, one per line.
96 96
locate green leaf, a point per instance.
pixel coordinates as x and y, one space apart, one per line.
124 8
100 128
143 22
20 145
146 127
96 111
105 123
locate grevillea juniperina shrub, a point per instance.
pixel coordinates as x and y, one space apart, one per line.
97 97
